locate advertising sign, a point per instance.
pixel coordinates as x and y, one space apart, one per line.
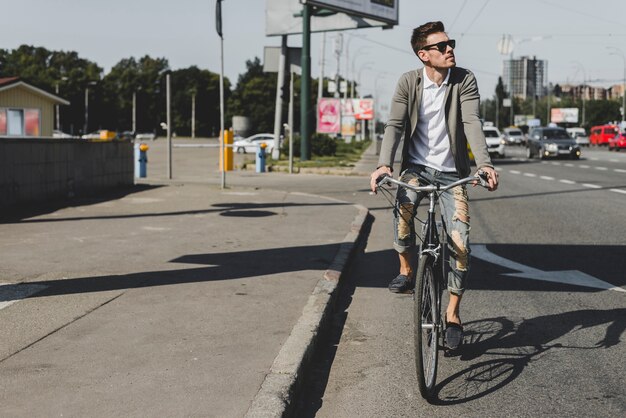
363 109
348 126
564 115
328 115
284 17
383 10
521 120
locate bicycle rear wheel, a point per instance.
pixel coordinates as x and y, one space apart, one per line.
425 325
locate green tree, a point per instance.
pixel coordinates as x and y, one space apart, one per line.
47 69
205 85
254 97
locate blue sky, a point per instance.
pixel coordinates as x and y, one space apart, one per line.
573 35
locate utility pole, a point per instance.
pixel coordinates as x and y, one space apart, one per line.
169 126
193 115
320 83
305 91
218 27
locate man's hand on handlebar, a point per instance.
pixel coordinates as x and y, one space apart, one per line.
377 174
491 177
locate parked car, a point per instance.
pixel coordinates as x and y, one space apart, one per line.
251 143
126 135
146 136
513 136
100 135
600 135
551 142
495 141
59 134
618 142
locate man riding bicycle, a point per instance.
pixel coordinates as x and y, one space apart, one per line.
436 110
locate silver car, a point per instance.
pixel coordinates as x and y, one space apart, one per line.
513 136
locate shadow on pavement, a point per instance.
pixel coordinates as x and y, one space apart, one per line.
18 213
216 266
224 209
516 345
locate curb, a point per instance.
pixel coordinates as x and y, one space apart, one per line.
279 389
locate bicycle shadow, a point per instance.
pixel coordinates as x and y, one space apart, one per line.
519 344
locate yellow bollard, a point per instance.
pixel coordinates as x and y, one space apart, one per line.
228 151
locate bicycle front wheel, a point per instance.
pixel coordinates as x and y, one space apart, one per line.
426 327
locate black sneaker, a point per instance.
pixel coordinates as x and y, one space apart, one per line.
454 336
401 284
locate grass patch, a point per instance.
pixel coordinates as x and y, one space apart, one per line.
345 155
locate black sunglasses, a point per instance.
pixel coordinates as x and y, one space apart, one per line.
441 46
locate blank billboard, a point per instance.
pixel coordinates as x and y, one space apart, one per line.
283 17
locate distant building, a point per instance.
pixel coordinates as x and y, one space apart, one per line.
525 77
25 110
587 92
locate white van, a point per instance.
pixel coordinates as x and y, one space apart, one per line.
495 142
579 135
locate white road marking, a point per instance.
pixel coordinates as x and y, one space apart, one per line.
572 277
583 166
567 181
568 165
594 159
555 163
619 170
546 178
613 160
601 168
14 292
514 172
618 191
530 175
592 186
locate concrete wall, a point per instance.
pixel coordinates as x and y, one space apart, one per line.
44 168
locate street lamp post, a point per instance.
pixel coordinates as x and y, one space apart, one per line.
58 115
619 52
584 92
89 83
356 55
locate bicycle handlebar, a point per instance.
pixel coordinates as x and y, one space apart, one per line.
480 178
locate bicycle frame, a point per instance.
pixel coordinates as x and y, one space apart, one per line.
430 283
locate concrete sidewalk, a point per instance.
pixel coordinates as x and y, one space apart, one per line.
174 300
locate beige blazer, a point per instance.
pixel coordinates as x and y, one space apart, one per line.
462 120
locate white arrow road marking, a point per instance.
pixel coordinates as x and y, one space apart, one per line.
13 292
573 277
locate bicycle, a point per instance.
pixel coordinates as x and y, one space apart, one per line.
430 280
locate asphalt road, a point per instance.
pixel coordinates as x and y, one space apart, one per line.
536 344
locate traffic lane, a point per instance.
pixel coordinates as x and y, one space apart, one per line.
506 367
574 174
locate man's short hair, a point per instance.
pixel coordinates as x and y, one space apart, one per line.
418 40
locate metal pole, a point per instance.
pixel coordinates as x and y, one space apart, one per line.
86 109
278 109
134 112
57 109
305 91
223 178
218 26
511 88
548 98
193 115
169 127
290 121
320 83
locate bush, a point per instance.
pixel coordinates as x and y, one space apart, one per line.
321 145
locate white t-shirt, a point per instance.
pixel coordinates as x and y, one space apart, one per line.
430 144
